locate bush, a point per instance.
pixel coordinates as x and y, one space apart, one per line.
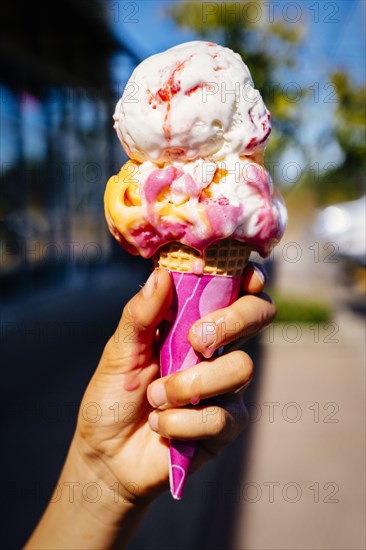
301 310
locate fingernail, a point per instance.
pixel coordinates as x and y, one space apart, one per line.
261 274
154 421
150 285
157 394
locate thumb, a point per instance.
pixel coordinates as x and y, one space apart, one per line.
128 363
131 346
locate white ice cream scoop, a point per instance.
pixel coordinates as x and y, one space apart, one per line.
194 100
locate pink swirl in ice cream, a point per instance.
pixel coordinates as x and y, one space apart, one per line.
195 129
194 100
195 203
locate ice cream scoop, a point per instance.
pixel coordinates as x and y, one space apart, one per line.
194 100
195 203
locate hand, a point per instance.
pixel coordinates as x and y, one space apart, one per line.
120 450
127 415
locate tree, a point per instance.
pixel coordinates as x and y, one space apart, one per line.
347 180
265 44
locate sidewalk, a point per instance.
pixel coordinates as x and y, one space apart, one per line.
304 482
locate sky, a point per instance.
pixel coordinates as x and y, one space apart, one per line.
334 38
335 30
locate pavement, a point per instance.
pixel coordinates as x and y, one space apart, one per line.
303 483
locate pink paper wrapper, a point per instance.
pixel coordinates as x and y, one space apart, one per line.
194 297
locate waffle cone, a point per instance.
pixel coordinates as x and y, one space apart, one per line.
226 257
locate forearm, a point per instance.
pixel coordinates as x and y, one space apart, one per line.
87 510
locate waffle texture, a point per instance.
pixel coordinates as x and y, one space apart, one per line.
227 257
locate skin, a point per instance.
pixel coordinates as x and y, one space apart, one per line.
118 460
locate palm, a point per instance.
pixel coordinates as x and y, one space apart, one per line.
114 423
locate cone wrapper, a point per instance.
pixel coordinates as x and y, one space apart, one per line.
194 296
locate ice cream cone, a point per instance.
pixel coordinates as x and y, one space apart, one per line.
195 295
227 257
196 175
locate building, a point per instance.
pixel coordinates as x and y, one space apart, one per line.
57 146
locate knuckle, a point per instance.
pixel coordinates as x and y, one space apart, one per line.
237 418
109 346
127 312
269 311
179 382
248 366
110 353
220 422
180 387
176 387
262 312
241 364
272 311
233 323
234 359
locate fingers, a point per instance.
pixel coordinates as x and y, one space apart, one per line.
223 379
230 373
254 278
148 308
243 319
221 423
140 318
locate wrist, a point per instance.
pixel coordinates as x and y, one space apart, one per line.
87 505
100 492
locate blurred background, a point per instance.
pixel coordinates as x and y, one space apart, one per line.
295 479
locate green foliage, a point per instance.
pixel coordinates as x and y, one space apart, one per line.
264 46
347 181
267 47
297 310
